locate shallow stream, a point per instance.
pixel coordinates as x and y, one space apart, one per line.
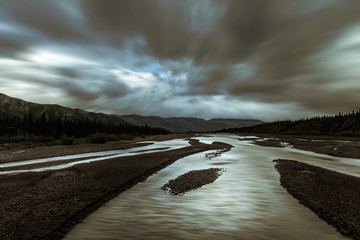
57 162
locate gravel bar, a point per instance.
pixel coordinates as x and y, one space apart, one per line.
192 180
333 196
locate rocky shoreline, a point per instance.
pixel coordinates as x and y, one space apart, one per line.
46 205
333 196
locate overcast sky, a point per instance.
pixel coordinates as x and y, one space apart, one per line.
264 59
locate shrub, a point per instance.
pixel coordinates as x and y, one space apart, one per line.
68 141
97 138
43 139
125 136
111 137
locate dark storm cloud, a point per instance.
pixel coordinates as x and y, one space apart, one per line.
71 73
49 17
246 28
9 48
167 27
159 56
7 44
282 43
281 35
76 83
280 39
165 35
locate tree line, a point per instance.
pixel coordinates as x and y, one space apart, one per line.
55 127
341 125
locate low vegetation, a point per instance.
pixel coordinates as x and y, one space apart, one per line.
216 154
67 140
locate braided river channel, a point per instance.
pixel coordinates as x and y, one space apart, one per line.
245 202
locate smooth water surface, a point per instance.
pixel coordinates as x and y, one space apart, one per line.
245 202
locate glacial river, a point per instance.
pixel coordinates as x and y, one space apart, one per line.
56 163
245 202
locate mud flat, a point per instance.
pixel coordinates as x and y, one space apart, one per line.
192 180
333 196
46 205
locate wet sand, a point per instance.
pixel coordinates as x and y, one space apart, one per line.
333 196
349 149
46 205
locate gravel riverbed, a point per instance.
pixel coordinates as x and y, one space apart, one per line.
333 196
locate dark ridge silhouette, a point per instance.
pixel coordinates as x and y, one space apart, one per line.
14 107
186 124
339 125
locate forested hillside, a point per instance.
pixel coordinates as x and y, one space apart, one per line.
21 120
340 125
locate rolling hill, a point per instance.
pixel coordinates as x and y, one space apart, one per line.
182 124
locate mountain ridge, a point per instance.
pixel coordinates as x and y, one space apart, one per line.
189 124
13 107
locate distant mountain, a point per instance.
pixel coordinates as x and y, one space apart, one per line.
12 107
182 124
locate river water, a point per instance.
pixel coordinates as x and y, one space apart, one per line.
57 162
245 202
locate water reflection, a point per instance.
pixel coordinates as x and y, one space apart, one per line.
245 202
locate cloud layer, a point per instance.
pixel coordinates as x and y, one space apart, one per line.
264 59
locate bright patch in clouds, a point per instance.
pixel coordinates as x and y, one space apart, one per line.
6 62
135 79
54 59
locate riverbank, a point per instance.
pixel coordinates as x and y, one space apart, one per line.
338 148
46 205
333 196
